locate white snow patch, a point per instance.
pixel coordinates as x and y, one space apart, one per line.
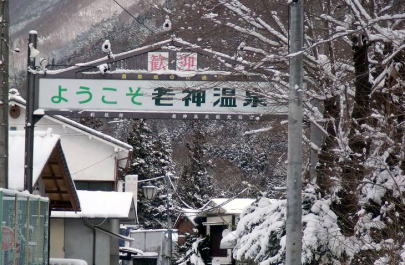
44 143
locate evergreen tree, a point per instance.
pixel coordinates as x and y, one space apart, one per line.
195 185
151 159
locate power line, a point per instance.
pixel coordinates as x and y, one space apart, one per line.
135 18
92 165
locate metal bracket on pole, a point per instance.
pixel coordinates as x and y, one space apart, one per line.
30 117
295 113
37 118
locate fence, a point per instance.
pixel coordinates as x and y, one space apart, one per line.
24 222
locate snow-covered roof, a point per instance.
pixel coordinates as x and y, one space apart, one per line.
100 204
45 142
18 99
231 206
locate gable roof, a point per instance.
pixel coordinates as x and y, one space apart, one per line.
101 204
45 140
49 168
189 214
18 99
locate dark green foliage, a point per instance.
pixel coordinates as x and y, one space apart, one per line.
195 185
151 159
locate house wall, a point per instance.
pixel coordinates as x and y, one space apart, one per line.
88 157
57 238
184 226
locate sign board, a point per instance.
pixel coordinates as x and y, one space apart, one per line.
154 96
168 79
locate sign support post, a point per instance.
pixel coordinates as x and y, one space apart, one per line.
29 117
4 86
295 113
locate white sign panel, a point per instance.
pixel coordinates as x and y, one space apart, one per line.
153 96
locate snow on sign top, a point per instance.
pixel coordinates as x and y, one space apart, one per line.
100 204
45 142
232 206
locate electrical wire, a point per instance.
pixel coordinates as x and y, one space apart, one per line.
129 13
94 164
146 180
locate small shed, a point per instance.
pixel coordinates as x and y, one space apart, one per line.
93 233
186 224
222 217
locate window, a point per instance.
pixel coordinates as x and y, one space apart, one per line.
95 185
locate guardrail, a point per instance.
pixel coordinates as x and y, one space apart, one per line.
24 233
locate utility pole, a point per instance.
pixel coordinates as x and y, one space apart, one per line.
169 220
29 117
295 113
4 54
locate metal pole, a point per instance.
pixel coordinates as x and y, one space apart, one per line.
169 220
4 58
29 117
294 182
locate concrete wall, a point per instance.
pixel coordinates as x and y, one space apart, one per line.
79 242
148 240
57 238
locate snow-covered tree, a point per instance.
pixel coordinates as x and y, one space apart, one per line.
354 66
151 158
195 185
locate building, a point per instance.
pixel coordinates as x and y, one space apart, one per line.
222 217
93 233
186 223
51 176
96 161
70 156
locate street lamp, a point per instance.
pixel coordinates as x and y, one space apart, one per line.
149 191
